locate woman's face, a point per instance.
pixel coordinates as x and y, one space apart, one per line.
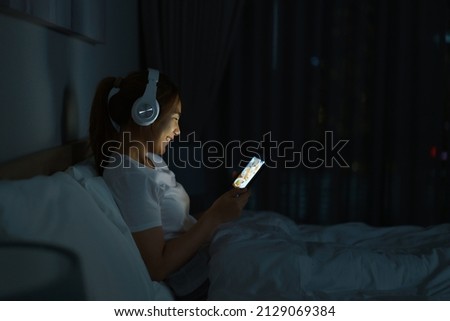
167 129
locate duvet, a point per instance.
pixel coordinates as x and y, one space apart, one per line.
266 256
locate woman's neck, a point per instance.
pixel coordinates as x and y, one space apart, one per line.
138 152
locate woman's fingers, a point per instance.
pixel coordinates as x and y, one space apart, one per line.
237 192
241 196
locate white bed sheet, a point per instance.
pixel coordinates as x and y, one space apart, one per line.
266 256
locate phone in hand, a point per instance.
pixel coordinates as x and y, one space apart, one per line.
248 173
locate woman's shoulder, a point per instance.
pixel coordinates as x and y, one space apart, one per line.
122 166
132 180
125 170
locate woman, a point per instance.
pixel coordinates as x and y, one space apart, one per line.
155 207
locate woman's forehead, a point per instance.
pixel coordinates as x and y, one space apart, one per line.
177 109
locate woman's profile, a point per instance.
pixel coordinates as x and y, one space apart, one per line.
132 122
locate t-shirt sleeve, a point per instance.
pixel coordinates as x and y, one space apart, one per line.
138 200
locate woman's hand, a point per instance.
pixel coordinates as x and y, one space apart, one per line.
230 204
164 257
227 207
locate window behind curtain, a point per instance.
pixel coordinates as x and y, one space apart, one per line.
375 73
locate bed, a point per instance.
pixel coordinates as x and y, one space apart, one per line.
279 260
60 201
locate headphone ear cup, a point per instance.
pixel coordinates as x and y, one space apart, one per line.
143 113
145 109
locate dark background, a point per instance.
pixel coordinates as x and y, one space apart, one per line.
375 73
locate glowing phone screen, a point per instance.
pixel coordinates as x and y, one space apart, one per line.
248 173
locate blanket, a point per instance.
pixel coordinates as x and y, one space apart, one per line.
266 256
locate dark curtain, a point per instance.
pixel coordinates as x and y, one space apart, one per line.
348 101
190 41
375 73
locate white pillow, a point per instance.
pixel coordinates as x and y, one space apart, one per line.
85 173
57 210
101 194
83 170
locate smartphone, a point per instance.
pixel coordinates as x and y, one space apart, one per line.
248 173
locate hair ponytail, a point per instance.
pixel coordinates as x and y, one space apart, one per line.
100 128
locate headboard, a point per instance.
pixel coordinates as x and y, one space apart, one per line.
46 162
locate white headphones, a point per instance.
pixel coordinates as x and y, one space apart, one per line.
145 109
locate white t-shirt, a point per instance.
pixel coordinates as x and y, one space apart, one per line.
151 197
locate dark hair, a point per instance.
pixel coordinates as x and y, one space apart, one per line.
119 106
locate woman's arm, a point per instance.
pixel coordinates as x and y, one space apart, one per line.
165 257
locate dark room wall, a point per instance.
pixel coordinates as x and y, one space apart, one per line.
48 78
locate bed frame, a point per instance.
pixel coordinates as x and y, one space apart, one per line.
46 162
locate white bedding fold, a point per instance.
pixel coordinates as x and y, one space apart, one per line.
265 256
